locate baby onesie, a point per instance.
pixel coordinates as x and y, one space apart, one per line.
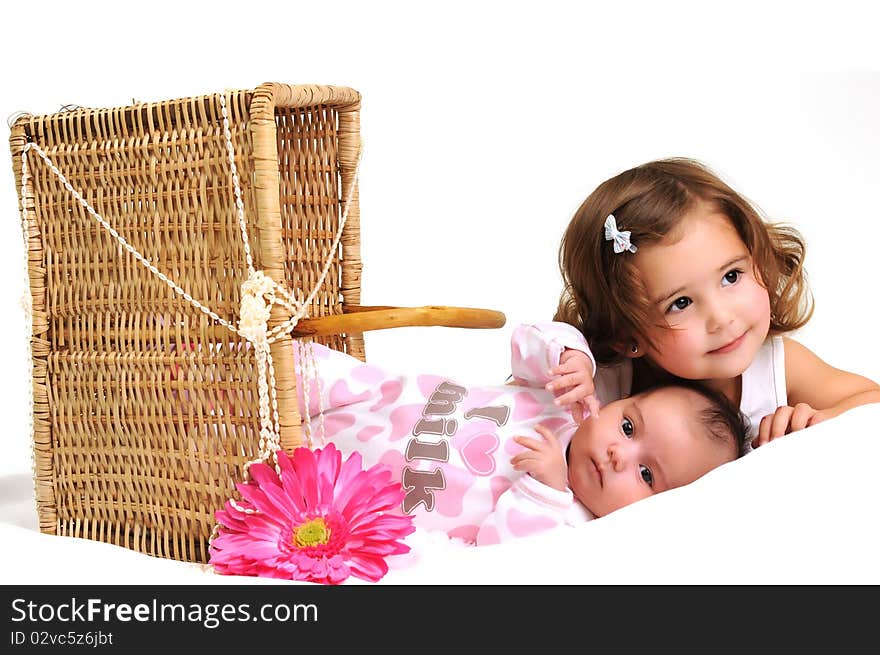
450 443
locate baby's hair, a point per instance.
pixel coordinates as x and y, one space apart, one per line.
602 294
721 418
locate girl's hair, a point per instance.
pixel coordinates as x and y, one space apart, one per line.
603 296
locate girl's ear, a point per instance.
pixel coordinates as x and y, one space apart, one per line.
629 349
634 351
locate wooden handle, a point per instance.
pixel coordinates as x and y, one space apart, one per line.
356 318
362 319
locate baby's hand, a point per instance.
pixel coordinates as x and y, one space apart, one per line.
786 420
573 385
543 459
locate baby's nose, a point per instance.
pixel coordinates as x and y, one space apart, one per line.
617 457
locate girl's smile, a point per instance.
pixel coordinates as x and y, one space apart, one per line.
731 346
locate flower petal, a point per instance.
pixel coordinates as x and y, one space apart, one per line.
359 508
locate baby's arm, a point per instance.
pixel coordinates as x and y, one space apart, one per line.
529 505
556 356
542 459
526 508
535 502
816 392
573 385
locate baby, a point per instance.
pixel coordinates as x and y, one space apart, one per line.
486 464
662 438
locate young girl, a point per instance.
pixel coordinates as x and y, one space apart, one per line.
669 272
489 463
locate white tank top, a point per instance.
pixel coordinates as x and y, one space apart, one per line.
763 384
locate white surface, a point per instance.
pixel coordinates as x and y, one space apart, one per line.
800 510
485 125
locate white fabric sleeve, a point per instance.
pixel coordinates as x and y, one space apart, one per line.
536 347
527 507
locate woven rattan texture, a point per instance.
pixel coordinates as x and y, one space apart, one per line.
145 410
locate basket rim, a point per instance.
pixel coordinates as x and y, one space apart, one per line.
269 95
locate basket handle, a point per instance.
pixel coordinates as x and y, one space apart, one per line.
359 318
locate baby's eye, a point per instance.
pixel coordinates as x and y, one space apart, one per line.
731 277
627 427
646 474
679 304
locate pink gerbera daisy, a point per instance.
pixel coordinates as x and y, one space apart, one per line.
321 521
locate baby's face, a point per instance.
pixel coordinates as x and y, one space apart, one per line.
640 446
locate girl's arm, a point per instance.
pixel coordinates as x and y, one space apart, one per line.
811 380
816 392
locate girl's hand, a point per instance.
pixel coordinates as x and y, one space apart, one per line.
573 385
786 420
543 459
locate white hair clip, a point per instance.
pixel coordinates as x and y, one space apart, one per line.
620 239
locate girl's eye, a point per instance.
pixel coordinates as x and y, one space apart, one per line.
731 277
679 304
627 427
646 474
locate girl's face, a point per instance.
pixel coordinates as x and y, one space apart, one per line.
712 313
642 445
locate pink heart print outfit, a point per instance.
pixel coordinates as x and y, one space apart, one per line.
450 444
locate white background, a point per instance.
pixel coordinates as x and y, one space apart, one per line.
486 124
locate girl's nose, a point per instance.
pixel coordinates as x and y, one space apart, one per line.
718 314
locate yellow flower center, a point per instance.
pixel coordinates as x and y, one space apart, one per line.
311 533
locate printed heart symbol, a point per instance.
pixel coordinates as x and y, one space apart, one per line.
526 406
477 453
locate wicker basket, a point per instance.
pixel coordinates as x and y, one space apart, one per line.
145 408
